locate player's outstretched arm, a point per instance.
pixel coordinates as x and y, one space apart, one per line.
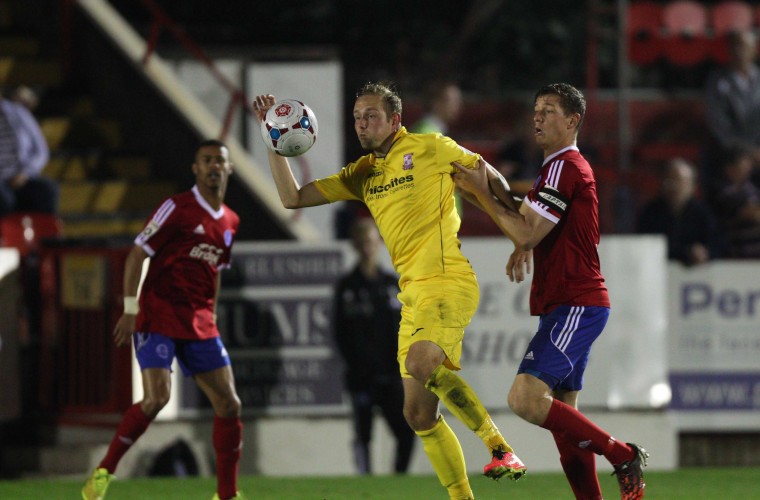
525 228
292 195
471 198
475 182
496 183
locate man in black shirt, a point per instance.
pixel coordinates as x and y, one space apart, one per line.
687 222
367 317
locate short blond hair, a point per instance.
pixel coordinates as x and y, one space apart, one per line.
386 91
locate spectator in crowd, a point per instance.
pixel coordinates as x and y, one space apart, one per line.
736 201
23 155
347 213
26 96
519 155
367 315
443 105
733 103
688 223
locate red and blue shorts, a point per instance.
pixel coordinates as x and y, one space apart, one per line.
154 350
559 351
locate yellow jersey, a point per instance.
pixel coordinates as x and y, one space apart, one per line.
410 194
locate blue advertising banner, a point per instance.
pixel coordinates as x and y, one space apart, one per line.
715 391
274 314
714 338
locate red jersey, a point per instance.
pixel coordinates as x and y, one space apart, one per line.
188 243
566 261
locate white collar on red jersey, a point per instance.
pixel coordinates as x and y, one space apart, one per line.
216 214
554 155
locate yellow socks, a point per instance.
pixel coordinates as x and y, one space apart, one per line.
464 404
445 455
490 435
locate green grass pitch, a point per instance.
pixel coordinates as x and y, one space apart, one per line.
703 483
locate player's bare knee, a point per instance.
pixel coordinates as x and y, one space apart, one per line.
228 407
418 419
518 403
235 407
420 367
415 369
525 406
151 406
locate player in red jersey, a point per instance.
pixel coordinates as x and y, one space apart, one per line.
188 239
559 222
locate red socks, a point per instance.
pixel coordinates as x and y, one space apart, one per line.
228 441
580 469
574 427
133 424
227 438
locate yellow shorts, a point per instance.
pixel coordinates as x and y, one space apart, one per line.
438 310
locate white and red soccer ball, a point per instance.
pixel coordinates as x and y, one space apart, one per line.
289 128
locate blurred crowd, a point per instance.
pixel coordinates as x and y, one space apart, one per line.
712 210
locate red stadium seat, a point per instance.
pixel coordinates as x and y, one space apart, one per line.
725 18
685 17
729 16
644 32
25 230
686 26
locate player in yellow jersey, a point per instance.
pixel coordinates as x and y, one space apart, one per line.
406 183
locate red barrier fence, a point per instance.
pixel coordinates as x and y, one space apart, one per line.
81 371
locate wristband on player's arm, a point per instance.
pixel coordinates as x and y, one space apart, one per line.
131 305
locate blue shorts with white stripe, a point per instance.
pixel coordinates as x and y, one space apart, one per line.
559 351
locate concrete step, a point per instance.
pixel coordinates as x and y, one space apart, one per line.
80 450
56 460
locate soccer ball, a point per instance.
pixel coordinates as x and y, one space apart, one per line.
290 128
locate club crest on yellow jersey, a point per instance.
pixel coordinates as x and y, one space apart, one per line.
408 163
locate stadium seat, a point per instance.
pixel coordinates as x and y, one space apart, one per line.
109 196
76 197
644 32
25 230
686 42
730 15
725 18
55 129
